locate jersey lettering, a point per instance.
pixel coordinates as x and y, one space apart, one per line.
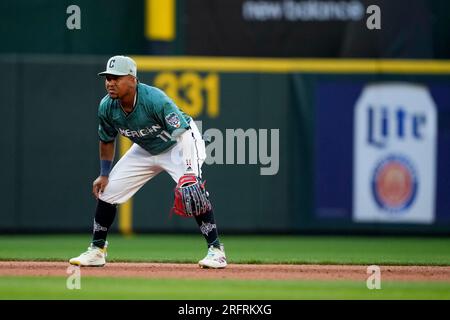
139 133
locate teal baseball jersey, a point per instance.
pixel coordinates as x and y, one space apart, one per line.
151 123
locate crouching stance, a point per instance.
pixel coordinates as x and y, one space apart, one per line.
165 139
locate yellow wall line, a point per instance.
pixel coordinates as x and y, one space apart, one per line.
242 65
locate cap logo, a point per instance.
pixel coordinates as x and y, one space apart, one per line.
120 66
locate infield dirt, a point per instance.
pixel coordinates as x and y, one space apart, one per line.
233 271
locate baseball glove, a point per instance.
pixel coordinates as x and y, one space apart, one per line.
191 197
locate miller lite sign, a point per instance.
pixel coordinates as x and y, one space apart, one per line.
395 135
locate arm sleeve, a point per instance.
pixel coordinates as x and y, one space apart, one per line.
106 132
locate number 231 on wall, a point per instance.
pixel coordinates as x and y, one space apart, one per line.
192 92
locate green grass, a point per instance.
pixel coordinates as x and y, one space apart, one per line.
240 249
131 288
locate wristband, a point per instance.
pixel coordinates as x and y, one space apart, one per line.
105 167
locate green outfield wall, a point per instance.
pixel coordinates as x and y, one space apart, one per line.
296 116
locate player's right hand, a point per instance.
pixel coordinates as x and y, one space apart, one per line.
99 185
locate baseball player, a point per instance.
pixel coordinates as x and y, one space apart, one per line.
164 139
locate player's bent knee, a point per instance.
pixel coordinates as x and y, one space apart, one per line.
113 199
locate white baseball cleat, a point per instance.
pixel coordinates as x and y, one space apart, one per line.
93 257
214 259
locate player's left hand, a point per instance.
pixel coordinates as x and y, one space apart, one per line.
99 185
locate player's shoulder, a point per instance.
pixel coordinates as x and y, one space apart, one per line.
104 104
152 97
150 92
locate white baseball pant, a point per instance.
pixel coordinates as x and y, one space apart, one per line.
138 166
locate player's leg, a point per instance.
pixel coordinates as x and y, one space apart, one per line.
206 222
129 174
